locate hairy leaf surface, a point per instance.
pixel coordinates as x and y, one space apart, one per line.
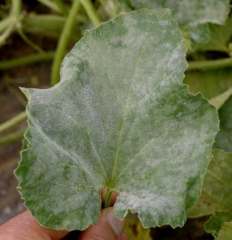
120 119
195 15
216 194
220 225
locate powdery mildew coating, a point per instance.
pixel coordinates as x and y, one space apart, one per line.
195 15
119 119
193 12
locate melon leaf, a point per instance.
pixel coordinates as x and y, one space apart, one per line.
194 15
119 120
216 194
220 225
224 136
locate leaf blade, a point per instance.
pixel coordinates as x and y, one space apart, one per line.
76 144
223 139
215 225
195 19
216 191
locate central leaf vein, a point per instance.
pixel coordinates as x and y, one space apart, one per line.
126 109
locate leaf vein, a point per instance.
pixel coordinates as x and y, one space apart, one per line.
126 107
59 148
146 145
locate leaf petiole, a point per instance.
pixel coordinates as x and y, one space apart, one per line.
107 198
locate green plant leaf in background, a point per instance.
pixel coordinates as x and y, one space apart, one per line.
194 15
225 232
135 230
220 99
220 38
216 194
215 226
210 83
120 119
224 136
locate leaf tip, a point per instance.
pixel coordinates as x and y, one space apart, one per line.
25 92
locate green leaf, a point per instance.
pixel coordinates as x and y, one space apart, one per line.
200 33
120 119
225 232
215 224
220 99
195 15
220 37
210 83
135 231
216 194
224 136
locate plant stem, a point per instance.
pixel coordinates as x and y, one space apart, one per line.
5 23
12 137
107 199
50 5
89 8
8 23
62 7
15 120
26 60
28 41
13 20
48 25
210 64
6 33
63 42
17 94
16 8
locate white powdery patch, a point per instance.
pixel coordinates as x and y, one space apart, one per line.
153 209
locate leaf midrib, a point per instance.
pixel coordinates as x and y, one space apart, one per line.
113 177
